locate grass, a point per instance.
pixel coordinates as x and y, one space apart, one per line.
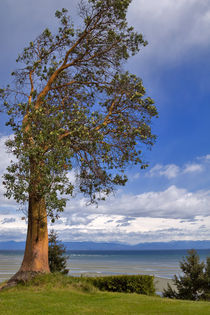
55 294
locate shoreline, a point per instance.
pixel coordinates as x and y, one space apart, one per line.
161 283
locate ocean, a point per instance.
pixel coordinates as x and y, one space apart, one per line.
163 263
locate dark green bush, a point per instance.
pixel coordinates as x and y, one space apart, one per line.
124 283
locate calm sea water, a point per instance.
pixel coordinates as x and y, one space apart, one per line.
162 264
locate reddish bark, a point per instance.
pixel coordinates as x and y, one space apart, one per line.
36 250
35 259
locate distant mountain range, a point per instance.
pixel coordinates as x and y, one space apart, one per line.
174 245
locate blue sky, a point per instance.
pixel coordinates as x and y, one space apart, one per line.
170 200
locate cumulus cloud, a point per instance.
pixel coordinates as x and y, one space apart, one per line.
137 230
173 28
125 216
4 156
5 159
78 219
12 227
191 168
118 228
169 171
172 202
205 158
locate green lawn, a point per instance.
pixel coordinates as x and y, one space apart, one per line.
71 299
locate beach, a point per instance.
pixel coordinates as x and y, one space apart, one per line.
163 265
161 283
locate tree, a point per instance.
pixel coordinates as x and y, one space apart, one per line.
194 284
206 294
71 106
56 254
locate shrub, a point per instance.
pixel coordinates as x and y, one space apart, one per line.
56 254
128 284
195 283
141 284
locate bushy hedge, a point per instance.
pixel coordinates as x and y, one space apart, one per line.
141 284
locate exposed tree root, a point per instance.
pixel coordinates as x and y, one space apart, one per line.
20 277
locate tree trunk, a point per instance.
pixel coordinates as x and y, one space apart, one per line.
36 251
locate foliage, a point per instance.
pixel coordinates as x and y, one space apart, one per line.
206 286
194 284
141 284
71 106
56 254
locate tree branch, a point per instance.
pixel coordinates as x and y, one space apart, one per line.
32 86
106 120
78 82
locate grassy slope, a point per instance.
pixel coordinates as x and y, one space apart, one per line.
58 298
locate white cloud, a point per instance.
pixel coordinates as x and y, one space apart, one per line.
124 217
191 168
12 227
5 159
173 202
205 158
72 176
174 28
133 177
104 228
112 228
169 171
170 203
4 156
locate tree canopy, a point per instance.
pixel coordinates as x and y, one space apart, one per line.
72 106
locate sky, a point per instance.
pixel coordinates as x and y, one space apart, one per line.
170 200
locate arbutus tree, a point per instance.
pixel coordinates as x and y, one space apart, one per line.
71 106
